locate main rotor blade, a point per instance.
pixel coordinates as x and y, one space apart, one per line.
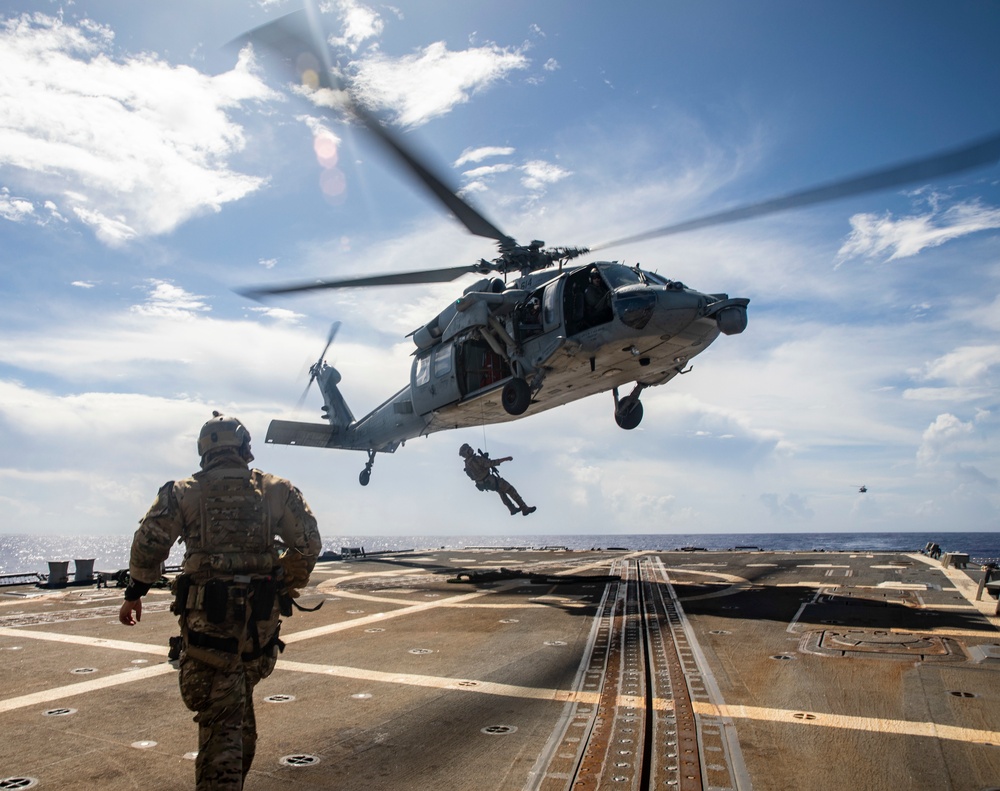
394 279
297 34
977 154
468 216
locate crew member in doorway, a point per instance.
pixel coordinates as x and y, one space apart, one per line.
236 581
483 470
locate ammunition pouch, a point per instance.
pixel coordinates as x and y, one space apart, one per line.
216 601
175 646
487 484
181 588
264 593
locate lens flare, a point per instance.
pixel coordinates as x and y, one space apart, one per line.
325 146
310 79
333 183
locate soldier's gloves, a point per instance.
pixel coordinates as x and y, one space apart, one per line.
296 568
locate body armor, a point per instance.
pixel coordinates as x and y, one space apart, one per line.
233 534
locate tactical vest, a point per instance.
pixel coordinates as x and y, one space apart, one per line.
234 534
478 468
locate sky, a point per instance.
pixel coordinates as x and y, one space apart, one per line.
148 171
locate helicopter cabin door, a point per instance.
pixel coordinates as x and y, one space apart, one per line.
434 378
479 366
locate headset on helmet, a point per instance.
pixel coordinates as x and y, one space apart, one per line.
224 432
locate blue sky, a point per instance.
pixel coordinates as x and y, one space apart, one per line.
147 171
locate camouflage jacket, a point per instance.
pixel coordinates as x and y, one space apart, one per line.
267 506
478 467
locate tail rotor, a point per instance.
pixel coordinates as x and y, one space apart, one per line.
315 367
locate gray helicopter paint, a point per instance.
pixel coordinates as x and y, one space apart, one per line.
681 323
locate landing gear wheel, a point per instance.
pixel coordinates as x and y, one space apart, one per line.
366 473
516 396
628 415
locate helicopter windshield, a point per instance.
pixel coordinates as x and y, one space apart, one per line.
619 275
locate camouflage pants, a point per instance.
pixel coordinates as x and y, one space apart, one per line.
494 483
227 727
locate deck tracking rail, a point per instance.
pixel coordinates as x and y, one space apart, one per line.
643 732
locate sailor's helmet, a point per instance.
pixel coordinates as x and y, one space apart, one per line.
223 431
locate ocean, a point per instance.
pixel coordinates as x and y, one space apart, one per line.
26 553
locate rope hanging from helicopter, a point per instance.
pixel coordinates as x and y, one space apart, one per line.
482 411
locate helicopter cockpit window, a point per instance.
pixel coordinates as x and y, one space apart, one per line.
422 375
618 275
442 360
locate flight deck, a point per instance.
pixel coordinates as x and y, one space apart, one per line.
541 669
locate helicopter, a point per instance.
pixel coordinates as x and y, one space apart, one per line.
535 331
862 489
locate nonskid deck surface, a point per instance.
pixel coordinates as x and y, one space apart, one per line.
694 670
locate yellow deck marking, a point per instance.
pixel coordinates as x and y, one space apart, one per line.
441 682
79 639
866 724
319 631
966 586
388 599
70 690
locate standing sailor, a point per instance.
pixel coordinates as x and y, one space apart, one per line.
482 469
233 582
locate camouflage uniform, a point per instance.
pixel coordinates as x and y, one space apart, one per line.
481 468
227 515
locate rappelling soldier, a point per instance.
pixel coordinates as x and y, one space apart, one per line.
237 580
482 469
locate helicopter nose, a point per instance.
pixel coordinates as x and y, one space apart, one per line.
675 310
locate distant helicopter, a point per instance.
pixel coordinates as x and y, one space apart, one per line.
556 332
862 489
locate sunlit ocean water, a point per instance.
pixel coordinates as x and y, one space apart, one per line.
31 553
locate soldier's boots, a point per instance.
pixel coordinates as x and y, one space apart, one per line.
524 509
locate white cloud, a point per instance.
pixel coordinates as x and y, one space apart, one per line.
166 300
279 314
359 22
883 236
539 174
940 435
431 82
792 507
14 209
481 153
486 170
965 365
130 146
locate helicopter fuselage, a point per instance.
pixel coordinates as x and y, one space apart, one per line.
555 337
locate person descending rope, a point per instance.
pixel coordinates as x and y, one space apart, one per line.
482 469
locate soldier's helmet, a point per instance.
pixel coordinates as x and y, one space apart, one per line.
465 450
224 432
